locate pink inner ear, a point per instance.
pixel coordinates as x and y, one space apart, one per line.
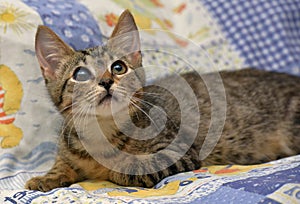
48 73
44 65
50 51
136 58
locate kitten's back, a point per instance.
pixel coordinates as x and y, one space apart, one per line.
262 116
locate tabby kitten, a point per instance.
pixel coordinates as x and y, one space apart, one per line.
117 129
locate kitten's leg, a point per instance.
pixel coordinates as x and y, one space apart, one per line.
139 169
61 175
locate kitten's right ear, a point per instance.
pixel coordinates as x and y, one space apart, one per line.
50 51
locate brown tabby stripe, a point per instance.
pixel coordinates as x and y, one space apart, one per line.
62 92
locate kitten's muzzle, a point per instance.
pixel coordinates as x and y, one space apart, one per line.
106 83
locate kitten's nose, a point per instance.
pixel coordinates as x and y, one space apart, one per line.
106 83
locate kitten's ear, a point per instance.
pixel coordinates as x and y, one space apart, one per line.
125 35
50 51
125 24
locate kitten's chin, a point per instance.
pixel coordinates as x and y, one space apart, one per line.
108 106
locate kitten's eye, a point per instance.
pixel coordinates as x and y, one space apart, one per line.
82 74
118 67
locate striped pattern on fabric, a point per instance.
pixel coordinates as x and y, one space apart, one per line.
4 119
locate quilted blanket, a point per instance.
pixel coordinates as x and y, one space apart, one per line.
201 35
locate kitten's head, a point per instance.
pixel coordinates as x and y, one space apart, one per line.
92 79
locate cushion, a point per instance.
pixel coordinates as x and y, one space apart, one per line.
201 35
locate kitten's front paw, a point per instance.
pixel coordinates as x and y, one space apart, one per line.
48 182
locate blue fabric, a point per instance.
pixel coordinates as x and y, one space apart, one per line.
270 183
229 195
70 20
265 32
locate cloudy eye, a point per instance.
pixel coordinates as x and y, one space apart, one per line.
118 68
82 74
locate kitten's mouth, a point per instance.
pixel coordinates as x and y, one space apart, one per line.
106 100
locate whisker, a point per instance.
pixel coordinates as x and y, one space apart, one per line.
71 118
152 105
85 117
69 106
121 88
131 109
65 126
92 92
148 93
132 102
81 116
124 93
92 96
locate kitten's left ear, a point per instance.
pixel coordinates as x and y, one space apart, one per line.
125 36
50 51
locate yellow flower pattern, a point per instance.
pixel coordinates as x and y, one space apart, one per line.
14 18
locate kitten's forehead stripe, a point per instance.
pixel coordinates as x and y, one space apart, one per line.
85 52
99 57
111 57
84 60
